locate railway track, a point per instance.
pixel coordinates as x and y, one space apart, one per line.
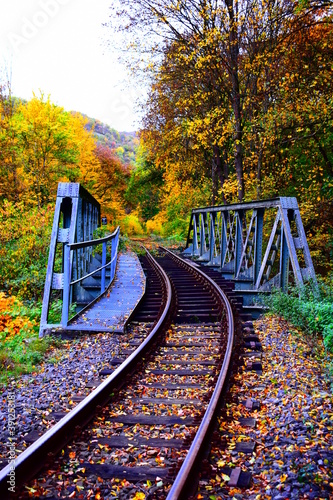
151 418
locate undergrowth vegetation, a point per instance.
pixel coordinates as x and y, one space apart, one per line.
20 348
24 244
307 309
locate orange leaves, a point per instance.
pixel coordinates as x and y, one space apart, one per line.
6 303
11 324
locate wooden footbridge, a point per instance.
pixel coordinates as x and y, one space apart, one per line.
258 245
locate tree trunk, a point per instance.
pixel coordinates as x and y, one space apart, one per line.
221 169
323 153
236 100
259 166
214 187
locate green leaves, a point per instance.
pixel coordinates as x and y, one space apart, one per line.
305 310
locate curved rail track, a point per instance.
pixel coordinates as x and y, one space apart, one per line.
152 417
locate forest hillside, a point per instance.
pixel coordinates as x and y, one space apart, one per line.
239 108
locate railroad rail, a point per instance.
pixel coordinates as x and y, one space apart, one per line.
32 459
173 381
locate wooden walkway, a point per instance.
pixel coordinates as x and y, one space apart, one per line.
110 312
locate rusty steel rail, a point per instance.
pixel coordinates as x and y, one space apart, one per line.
185 478
31 460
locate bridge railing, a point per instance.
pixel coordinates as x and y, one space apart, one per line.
71 255
76 272
258 245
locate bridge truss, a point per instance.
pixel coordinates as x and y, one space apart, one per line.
254 243
79 267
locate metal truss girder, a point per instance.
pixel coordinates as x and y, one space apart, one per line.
246 243
212 243
225 241
80 217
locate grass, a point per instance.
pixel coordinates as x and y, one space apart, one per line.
153 241
304 308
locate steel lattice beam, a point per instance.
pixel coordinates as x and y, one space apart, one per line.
76 217
256 244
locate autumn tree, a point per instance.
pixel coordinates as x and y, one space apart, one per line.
221 50
45 153
145 186
41 144
298 135
11 185
108 182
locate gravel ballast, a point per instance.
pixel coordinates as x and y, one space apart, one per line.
40 398
293 438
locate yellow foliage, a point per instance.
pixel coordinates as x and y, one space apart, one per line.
154 225
130 225
42 144
230 189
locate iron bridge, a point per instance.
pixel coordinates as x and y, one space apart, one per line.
80 268
258 245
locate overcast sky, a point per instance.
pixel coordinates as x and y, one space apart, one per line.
59 47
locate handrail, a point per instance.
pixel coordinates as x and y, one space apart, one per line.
69 250
93 272
89 243
77 246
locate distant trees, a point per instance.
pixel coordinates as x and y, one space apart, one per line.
110 181
124 143
42 144
145 186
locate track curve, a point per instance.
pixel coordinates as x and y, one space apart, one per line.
183 483
167 406
30 461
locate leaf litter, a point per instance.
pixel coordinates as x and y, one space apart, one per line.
293 457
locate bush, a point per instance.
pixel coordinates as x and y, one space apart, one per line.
24 247
131 225
305 309
20 348
154 226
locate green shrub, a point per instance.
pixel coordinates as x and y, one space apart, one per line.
131 225
24 247
304 308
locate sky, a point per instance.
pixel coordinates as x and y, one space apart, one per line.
60 48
